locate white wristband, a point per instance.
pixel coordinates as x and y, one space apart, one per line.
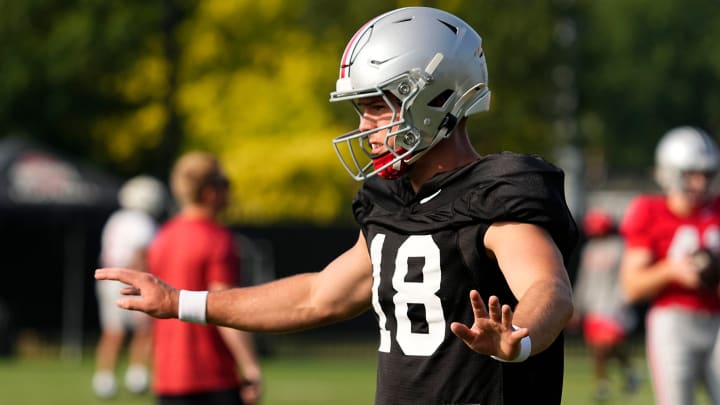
192 306
523 354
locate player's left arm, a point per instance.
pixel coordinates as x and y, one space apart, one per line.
534 269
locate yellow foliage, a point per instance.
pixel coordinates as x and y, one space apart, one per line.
144 85
205 46
125 135
220 9
224 10
150 120
287 178
259 99
270 123
146 80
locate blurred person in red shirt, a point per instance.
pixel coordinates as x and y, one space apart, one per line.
663 235
193 363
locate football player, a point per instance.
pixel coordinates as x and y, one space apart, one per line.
124 242
662 234
461 256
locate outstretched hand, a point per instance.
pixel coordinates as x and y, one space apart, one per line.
492 333
146 293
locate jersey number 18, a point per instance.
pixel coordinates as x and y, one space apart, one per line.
423 293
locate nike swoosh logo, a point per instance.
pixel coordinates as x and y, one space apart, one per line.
430 197
380 62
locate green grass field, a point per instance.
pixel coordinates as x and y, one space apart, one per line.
296 373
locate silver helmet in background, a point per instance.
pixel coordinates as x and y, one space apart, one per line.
684 150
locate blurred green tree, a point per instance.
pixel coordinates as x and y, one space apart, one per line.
129 85
61 62
646 66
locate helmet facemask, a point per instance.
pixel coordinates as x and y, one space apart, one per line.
404 143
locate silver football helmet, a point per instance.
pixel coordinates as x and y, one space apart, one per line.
432 63
682 150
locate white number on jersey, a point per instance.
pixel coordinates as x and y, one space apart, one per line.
424 293
687 239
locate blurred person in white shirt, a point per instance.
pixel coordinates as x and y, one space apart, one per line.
125 239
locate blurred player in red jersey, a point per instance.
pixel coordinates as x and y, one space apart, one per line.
461 256
599 302
662 233
197 364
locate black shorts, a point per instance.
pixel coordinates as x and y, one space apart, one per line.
224 397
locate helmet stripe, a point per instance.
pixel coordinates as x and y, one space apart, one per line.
344 62
350 48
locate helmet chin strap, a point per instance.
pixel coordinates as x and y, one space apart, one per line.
393 171
401 167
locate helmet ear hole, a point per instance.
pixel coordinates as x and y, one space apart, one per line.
441 99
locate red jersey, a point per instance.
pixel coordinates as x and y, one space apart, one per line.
190 254
649 224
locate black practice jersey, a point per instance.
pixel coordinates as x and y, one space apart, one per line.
427 254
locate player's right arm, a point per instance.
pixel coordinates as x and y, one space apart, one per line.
340 291
642 273
643 277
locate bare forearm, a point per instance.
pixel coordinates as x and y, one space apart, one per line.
545 309
642 290
644 283
283 305
341 291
